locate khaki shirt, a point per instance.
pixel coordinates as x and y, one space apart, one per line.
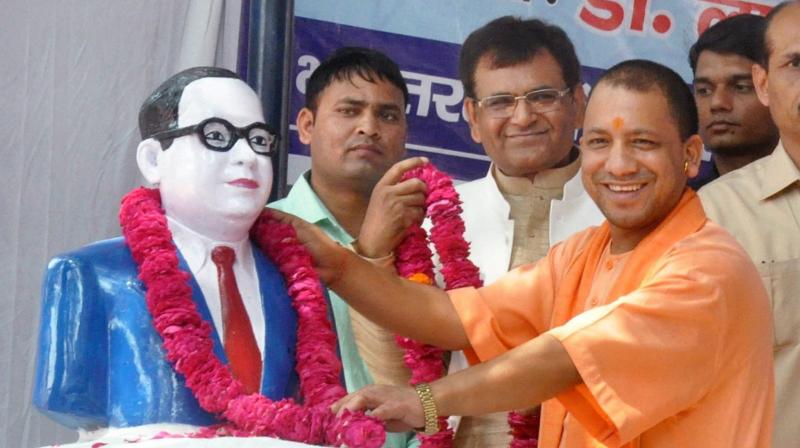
760 205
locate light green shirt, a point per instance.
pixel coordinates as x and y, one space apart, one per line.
303 202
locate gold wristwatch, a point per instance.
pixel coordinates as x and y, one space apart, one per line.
428 408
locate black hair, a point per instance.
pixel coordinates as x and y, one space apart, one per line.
347 62
159 112
766 48
512 40
739 35
642 76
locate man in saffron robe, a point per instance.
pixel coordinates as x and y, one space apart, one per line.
101 362
652 330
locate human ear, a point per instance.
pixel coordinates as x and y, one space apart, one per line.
472 119
305 125
693 151
147 159
761 83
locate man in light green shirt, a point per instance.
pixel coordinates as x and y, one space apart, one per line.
355 126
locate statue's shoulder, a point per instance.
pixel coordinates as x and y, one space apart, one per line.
111 255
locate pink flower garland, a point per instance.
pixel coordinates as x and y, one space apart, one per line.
187 337
414 262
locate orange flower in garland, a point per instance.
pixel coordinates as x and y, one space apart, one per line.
413 262
420 278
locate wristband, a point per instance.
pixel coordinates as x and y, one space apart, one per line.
386 261
428 408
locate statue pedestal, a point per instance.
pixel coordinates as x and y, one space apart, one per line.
225 442
169 436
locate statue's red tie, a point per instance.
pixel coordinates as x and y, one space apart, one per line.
240 344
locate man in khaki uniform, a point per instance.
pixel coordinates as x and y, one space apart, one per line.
760 205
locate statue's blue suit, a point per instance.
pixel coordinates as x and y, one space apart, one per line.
100 360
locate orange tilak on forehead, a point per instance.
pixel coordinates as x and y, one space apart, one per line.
617 123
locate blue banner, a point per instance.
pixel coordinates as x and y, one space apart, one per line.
424 37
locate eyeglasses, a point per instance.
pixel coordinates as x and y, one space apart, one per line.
541 100
220 135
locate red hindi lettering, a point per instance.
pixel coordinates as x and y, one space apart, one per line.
708 16
615 14
713 14
639 12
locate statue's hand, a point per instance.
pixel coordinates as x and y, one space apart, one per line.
393 207
329 257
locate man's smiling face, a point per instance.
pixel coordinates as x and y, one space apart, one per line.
526 142
633 158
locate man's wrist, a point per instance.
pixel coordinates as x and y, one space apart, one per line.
385 261
345 258
429 410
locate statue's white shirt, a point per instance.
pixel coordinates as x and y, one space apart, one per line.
196 250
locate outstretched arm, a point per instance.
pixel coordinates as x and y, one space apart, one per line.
418 311
525 376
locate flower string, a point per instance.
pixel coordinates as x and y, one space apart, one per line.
414 263
188 346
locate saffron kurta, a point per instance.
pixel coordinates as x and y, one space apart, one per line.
672 340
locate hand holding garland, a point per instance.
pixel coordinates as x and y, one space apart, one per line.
414 263
522 377
394 205
399 304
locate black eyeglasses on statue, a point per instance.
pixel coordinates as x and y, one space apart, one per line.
220 135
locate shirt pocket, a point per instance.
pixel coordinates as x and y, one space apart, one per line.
782 281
